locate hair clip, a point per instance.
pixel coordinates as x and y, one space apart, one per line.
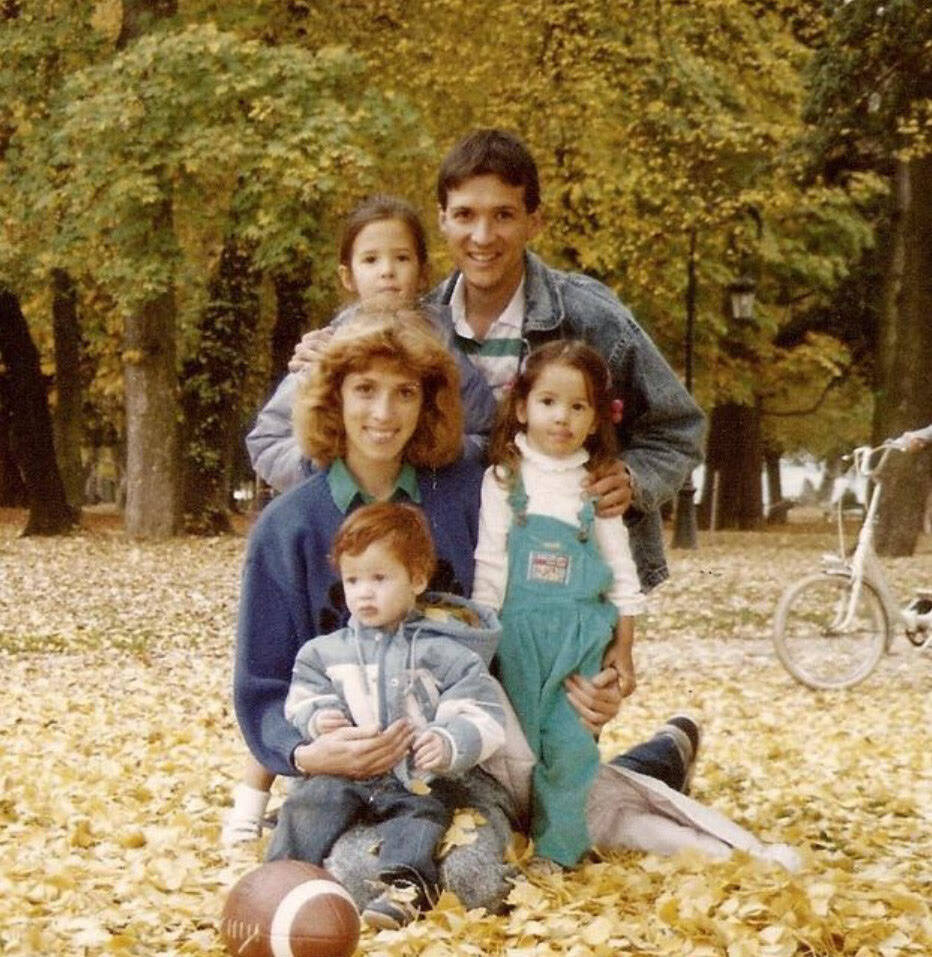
618 408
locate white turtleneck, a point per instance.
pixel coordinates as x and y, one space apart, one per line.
554 488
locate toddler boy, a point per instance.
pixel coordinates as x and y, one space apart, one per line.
395 660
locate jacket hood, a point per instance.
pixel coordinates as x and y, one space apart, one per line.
471 624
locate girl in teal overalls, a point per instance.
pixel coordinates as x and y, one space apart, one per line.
564 580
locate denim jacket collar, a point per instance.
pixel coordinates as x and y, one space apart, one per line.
543 303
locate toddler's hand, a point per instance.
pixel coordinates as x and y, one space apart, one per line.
432 752
329 719
620 658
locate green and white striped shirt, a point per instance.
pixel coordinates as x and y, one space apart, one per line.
497 355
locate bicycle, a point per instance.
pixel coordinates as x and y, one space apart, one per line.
832 627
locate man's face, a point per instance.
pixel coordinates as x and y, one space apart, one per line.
487 226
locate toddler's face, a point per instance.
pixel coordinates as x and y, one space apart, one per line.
558 414
379 590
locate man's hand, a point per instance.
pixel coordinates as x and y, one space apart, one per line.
356 752
611 486
309 348
596 701
432 752
329 719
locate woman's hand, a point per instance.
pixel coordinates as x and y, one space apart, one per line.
611 486
356 752
308 348
596 701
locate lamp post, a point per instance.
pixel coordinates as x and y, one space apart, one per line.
684 527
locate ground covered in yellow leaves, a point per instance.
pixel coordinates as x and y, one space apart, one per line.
118 750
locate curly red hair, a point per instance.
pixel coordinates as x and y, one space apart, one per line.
403 337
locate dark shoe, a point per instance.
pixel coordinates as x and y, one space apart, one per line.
399 904
687 736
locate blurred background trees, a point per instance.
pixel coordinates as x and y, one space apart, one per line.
172 175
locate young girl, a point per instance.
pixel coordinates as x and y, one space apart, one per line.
564 579
383 259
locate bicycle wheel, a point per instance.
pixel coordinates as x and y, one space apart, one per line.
815 642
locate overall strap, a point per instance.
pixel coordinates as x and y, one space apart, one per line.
517 498
586 517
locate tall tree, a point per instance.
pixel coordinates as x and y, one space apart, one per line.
212 386
871 107
153 468
69 391
30 423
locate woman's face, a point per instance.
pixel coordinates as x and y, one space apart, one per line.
381 408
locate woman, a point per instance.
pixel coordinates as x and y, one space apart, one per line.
381 419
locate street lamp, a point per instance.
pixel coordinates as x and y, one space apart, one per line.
741 295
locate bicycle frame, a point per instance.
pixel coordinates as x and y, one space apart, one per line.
864 564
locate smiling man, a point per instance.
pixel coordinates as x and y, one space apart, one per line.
504 300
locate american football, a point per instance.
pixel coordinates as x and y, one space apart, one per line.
289 909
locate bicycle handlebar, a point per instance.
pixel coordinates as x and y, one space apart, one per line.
862 457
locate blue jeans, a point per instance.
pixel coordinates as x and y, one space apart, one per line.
319 809
658 758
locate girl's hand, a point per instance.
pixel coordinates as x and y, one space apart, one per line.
620 658
329 719
611 485
596 701
308 348
356 752
431 752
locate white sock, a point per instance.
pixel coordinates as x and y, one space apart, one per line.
249 802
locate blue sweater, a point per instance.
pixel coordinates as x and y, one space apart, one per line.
291 593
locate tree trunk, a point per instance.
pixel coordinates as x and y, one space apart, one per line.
68 418
150 383
150 380
291 320
30 422
776 512
734 451
904 399
12 491
211 394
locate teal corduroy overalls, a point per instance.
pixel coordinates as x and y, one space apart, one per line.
556 621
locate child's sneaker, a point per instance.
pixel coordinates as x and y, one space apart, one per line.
243 822
687 735
399 904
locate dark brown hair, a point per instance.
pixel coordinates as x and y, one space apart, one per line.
401 528
602 445
498 152
376 209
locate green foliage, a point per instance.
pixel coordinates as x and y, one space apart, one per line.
268 138
871 81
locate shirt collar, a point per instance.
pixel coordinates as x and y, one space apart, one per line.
512 315
345 489
550 463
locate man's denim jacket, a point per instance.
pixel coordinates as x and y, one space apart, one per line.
661 431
